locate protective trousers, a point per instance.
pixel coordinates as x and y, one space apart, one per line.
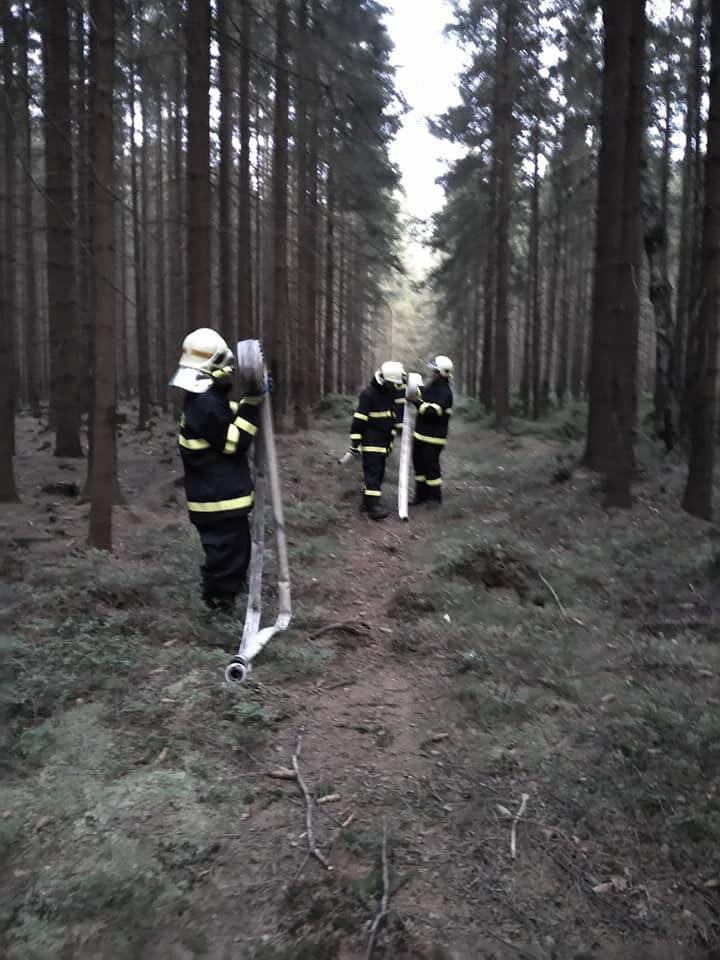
374 473
428 478
226 542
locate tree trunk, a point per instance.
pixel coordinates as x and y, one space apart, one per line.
689 227
8 491
177 300
31 325
60 217
140 274
228 324
198 161
549 359
329 337
246 322
487 379
703 341
504 160
611 162
535 272
625 315
278 317
103 242
161 336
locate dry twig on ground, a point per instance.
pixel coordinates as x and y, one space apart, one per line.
553 591
312 847
513 830
383 911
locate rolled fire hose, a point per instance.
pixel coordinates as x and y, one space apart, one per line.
411 392
252 375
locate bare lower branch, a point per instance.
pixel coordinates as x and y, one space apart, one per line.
312 847
382 913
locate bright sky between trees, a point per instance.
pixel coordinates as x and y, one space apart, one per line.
428 64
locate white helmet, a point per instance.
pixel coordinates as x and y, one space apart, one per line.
391 372
442 365
204 352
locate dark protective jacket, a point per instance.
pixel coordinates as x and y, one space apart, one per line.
434 406
373 423
215 434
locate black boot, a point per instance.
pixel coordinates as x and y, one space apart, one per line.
376 511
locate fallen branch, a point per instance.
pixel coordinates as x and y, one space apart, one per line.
312 847
359 629
517 819
382 913
552 590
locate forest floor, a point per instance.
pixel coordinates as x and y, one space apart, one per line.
437 680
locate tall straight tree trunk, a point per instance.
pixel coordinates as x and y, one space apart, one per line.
8 491
227 313
535 272
102 480
611 162
563 344
504 161
329 336
549 358
139 271
30 322
304 326
487 379
703 341
689 226
278 316
60 217
83 240
161 337
625 315
177 300
198 161
246 322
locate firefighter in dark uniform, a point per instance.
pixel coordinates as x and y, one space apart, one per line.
215 434
434 408
372 432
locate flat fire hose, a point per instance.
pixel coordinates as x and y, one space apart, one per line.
406 439
252 374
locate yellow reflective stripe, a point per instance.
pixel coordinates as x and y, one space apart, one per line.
356 436
374 449
373 493
245 425
448 411
231 439
218 506
252 401
234 406
420 479
183 421
424 407
361 416
400 400
382 414
434 483
193 444
438 441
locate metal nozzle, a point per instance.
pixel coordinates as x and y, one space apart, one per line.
237 670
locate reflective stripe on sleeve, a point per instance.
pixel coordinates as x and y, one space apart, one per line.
425 407
420 479
231 439
193 444
434 483
381 415
356 436
374 449
373 493
234 406
245 425
252 401
218 506
361 416
400 400
437 441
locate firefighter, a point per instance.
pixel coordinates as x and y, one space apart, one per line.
434 406
215 434
372 432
